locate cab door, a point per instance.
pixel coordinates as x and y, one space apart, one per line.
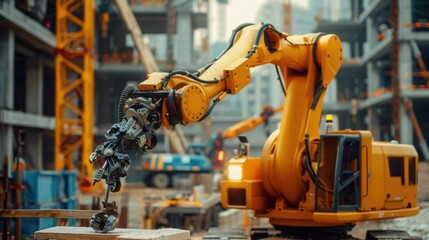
338 173
348 187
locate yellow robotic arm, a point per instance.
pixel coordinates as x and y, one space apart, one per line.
307 64
188 95
303 182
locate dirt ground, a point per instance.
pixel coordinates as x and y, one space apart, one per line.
416 225
137 196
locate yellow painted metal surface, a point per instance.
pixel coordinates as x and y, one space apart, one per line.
74 85
278 185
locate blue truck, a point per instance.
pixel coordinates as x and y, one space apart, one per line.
159 168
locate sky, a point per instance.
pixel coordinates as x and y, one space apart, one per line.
241 11
244 11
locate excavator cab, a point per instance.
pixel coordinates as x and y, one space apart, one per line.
338 173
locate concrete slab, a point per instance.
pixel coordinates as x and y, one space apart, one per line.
72 233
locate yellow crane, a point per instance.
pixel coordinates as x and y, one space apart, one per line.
74 85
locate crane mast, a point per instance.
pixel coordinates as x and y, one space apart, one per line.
74 84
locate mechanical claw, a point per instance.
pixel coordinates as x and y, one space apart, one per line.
105 220
136 130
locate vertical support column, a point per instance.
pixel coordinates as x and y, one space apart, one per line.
371 33
405 80
356 8
373 85
74 85
396 99
34 105
7 58
171 29
405 60
185 39
34 91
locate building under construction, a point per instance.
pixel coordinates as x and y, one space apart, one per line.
29 48
385 71
66 65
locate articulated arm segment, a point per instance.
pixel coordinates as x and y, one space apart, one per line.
190 94
180 97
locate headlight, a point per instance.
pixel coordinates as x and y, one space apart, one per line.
235 173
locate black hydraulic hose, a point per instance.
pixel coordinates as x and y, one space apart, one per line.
179 113
230 43
215 101
215 80
232 38
317 97
122 100
170 74
259 35
318 91
172 102
169 108
280 79
188 74
308 159
319 71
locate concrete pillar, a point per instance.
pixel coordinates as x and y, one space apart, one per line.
404 18
184 36
405 80
7 57
34 105
34 148
405 69
373 85
34 91
355 9
371 33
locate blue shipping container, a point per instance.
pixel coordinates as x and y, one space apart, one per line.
68 184
40 187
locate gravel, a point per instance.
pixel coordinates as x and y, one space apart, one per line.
416 226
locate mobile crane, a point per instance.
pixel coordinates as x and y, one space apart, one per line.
307 184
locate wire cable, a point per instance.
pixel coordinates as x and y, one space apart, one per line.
187 74
230 44
215 101
318 92
279 77
122 100
259 35
170 108
318 69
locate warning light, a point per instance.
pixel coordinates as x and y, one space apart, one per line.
235 173
329 122
329 118
145 165
220 156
